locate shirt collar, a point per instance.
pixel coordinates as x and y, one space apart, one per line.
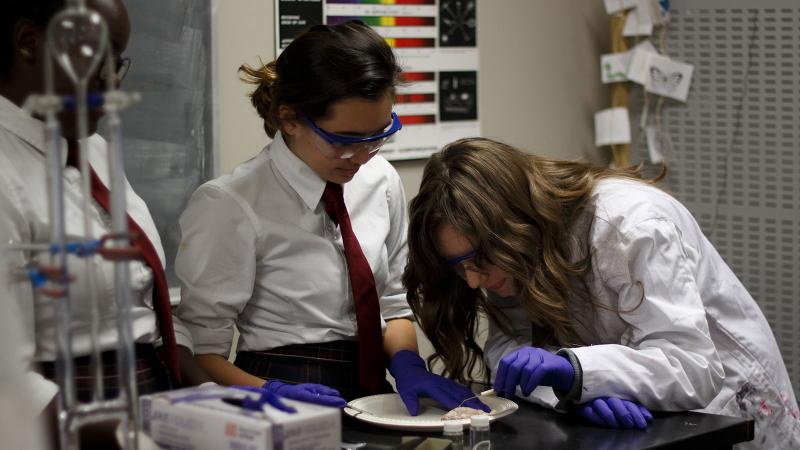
26 127
21 124
298 174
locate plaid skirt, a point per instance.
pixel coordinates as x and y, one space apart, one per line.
334 364
152 374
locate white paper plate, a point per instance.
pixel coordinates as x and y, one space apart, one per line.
388 411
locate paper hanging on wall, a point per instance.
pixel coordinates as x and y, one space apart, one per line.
615 6
668 77
657 12
612 126
614 67
637 69
640 21
653 144
662 8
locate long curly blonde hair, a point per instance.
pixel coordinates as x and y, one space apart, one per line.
519 210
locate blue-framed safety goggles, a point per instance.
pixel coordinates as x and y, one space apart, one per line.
460 266
344 147
460 259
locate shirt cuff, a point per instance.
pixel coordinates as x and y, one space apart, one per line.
182 335
209 340
573 396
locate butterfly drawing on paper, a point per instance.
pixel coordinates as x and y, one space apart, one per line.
665 82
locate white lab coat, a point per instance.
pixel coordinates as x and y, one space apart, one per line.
693 339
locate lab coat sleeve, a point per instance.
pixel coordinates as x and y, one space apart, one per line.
216 265
18 298
666 360
393 300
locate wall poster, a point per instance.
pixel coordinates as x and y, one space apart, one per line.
435 42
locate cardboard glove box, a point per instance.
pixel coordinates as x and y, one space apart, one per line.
210 418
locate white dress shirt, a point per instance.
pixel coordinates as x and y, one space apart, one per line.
20 426
259 252
24 218
694 338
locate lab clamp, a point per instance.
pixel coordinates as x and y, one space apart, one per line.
78 41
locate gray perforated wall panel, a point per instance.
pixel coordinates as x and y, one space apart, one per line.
734 158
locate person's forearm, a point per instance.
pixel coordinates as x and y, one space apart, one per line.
223 372
400 335
191 372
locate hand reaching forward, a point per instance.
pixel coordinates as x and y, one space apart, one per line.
613 412
413 381
530 367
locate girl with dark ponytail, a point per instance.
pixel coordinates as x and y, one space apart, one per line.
302 248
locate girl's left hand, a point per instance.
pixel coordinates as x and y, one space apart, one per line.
613 412
530 367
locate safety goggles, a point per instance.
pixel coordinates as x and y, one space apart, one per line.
461 264
339 146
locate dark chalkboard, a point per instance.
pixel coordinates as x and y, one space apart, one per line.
168 138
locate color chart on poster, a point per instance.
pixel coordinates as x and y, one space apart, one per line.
435 43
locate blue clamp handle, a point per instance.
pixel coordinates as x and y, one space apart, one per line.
93 100
38 279
80 248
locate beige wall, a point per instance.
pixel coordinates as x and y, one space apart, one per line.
245 32
540 73
538 82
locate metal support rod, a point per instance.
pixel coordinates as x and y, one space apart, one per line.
119 227
65 370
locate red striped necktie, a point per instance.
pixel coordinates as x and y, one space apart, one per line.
161 303
371 360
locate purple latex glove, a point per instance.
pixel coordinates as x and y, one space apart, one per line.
306 392
530 367
413 381
266 397
613 412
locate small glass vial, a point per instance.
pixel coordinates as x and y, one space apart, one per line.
479 432
454 432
